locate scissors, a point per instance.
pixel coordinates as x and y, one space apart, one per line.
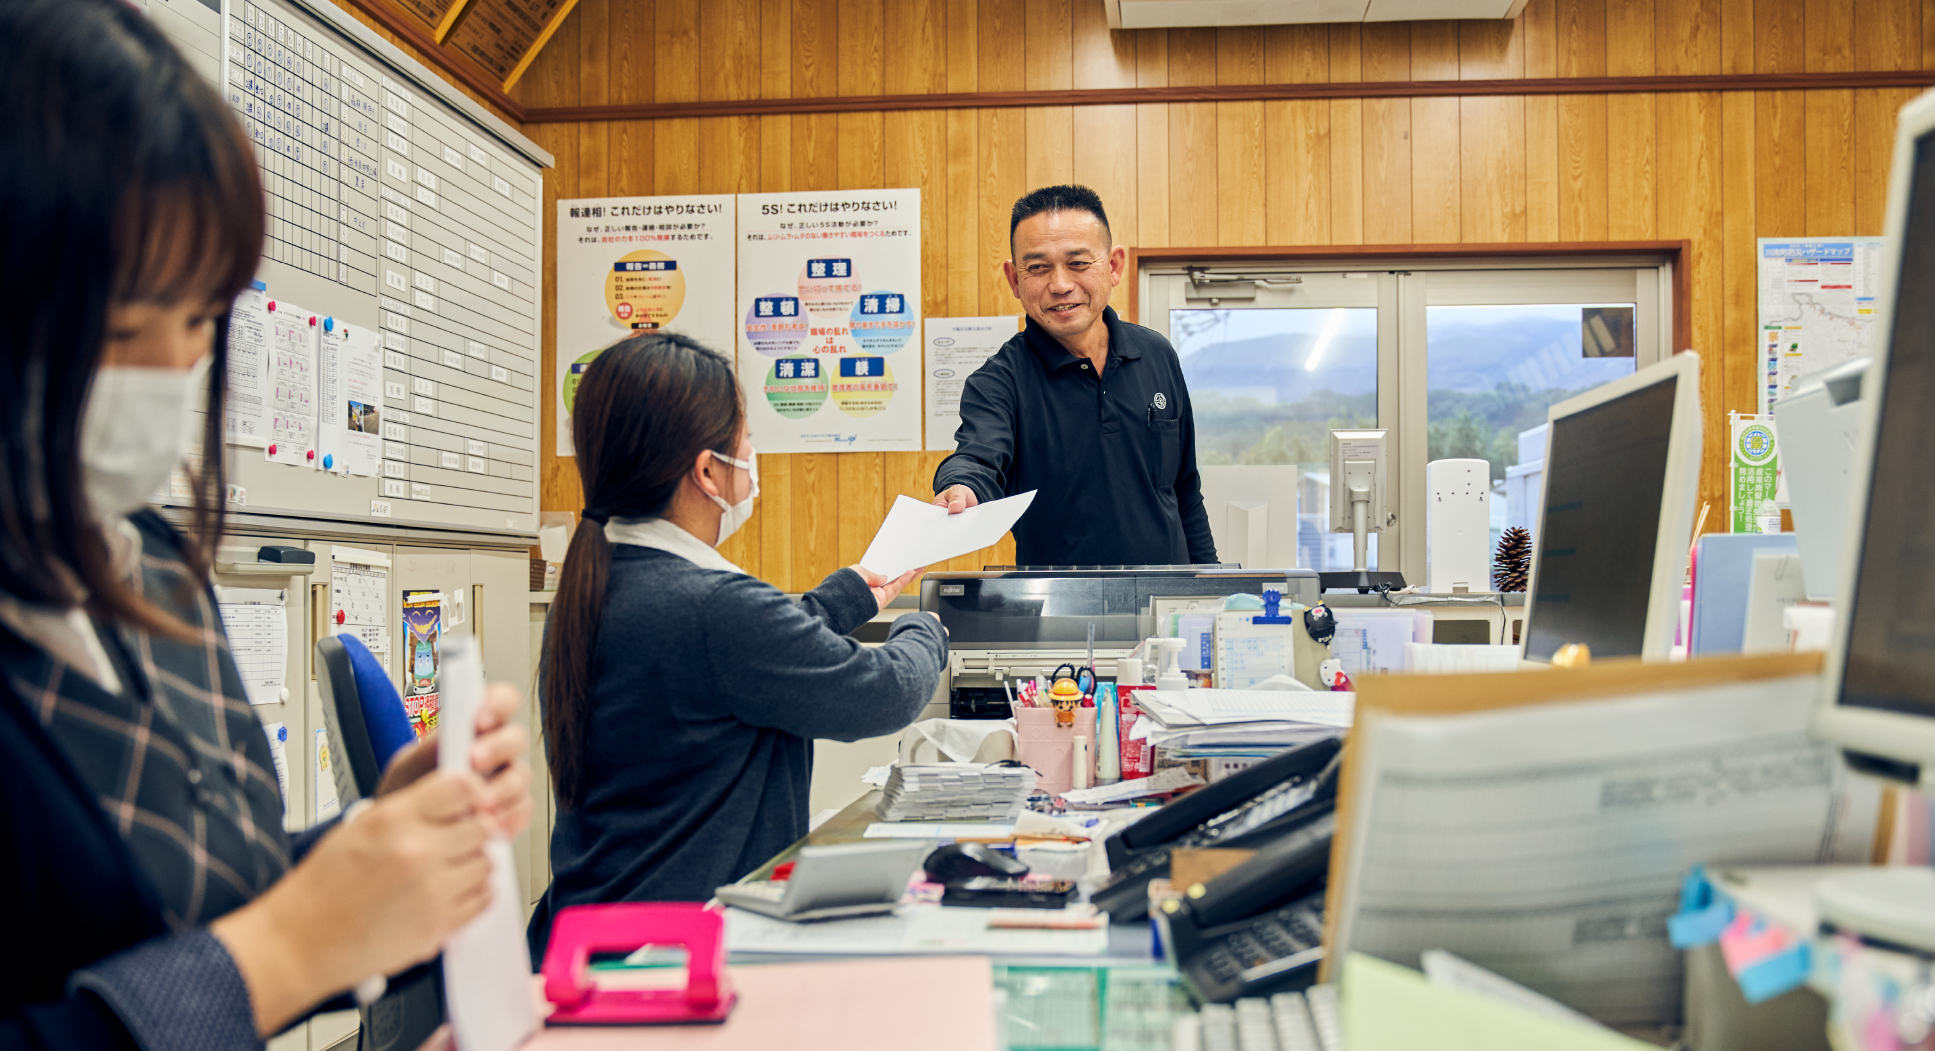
1084 677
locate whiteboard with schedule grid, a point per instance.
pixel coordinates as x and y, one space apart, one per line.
384 368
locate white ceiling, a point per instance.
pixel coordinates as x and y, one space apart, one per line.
1177 14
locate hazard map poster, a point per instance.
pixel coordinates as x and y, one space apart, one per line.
829 320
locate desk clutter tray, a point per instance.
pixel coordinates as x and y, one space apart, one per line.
955 792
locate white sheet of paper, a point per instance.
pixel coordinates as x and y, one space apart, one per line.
1547 843
922 534
1217 707
486 965
938 830
1426 658
257 625
909 930
1172 779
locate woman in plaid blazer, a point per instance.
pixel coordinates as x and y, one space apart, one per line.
152 897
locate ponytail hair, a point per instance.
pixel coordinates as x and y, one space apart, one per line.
645 409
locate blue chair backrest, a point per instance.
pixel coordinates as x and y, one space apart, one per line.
367 722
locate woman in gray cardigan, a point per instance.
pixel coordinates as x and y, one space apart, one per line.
681 696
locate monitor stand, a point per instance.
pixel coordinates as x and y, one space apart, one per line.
1362 581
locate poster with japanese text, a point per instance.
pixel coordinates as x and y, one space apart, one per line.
829 311
1817 303
423 635
639 264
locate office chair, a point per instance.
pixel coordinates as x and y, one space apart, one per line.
367 728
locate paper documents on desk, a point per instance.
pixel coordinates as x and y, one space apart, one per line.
920 534
1391 1008
1224 718
1543 831
486 965
909 930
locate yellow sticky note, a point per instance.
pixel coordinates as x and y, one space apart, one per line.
1391 1008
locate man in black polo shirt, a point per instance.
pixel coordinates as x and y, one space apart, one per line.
1087 408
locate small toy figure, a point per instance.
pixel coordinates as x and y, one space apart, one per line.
1066 697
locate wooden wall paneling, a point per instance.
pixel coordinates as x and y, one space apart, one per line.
1830 163
1347 160
1003 57
632 156
1436 154
1541 124
1690 126
1105 161
676 79
963 40
1003 179
1737 29
593 51
1193 212
631 52
1874 144
965 260
1584 167
558 479
862 165
1050 132
1687 34
1830 35
1928 34
552 79
1492 148
1579 37
1890 34
1631 177
1491 171
1296 140
1103 58
1630 38
1780 36
1780 155
1387 136
916 155
1152 140
1239 153
916 47
1734 365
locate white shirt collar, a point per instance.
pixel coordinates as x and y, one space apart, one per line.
661 535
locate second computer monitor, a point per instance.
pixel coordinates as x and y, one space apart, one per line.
1622 467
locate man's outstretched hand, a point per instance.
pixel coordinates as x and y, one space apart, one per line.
956 498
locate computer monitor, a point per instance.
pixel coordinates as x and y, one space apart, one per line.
1821 422
1622 466
1879 703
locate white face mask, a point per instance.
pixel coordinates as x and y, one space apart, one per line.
134 430
736 514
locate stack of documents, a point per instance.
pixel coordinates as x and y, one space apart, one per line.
955 792
1209 721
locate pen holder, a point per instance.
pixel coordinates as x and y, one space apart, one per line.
1048 748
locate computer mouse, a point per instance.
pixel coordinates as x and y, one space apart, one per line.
964 861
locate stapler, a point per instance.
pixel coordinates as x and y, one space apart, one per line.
581 930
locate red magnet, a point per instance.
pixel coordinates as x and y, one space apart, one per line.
339 617
271 450
312 322
312 453
271 305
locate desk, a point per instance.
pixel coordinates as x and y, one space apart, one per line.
1129 944
936 1003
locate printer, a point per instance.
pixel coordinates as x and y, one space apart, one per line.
1009 622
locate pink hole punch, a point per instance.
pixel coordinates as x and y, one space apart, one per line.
581 930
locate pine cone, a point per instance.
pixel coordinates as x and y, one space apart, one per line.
1513 563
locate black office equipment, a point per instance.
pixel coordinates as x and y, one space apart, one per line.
1245 810
283 554
960 862
992 892
1258 928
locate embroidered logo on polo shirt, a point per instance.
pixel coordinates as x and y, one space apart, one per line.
1160 401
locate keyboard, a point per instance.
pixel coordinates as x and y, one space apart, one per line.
764 890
